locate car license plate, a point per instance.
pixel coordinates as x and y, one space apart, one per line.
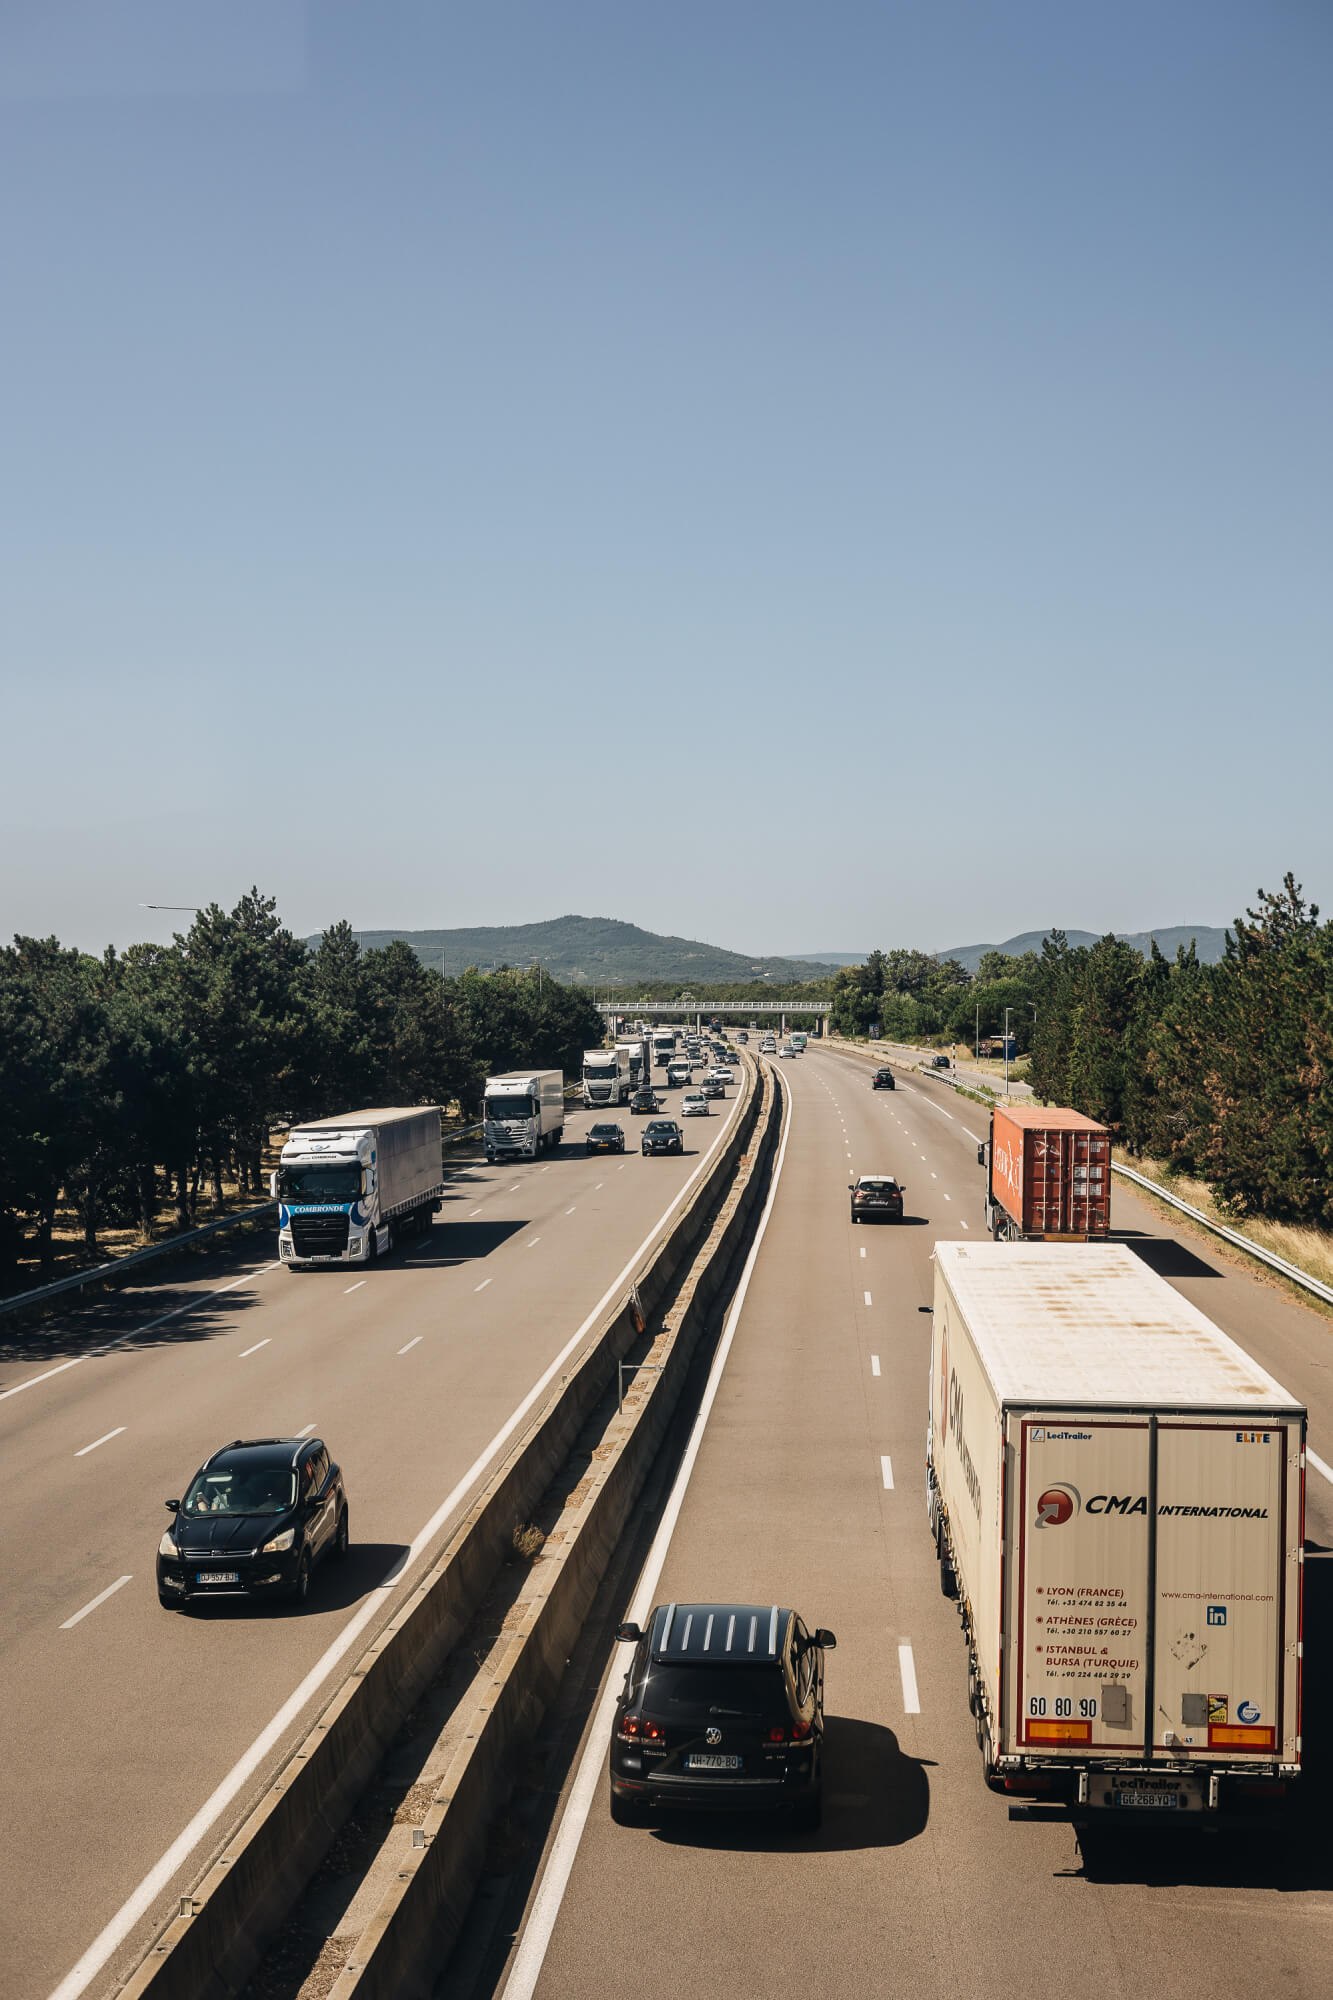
216 1576
1141 1798
705 1760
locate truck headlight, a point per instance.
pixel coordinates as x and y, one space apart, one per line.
280 1543
166 1547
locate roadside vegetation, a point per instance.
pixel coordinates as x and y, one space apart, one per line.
144 1085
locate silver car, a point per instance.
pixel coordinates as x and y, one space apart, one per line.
694 1105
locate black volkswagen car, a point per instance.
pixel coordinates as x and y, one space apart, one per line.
722 1707
884 1079
257 1517
662 1135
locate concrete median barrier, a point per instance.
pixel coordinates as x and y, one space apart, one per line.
208 1951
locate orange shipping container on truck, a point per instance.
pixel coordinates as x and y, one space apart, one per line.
1050 1171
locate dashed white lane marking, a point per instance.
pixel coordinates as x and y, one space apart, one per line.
570 1211
410 1345
93 1603
471 1212
907 1671
253 1350
874 1364
863 1249
482 1286
961 1220
532 1244
886 1472
948 1197
866 1296
969 1135
1324 1471
306 1432
105 1439
356 1287
600 1184
933 1175
515 1188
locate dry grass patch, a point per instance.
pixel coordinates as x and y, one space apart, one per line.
1310 1250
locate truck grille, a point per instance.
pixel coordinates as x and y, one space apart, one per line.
319 1235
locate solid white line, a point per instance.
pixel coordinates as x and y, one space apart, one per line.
886 1468
93 1603
306 1432
874 1364
255 1349
1324 1471
354 1288
907 1669
410 1345
867 1298
113 1934
482 1286
102 1440
530 1955
94 1353
970 1135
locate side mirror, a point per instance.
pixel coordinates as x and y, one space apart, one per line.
173 1506
926 1309
851 1187
981 1156
629 1633
273 1184
828 1640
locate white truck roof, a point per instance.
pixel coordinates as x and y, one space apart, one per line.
1073 1323
347 1121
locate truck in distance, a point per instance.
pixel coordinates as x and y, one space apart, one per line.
1049 1175
640 1061
664 1047
606 1077
350 1186
680 1071
1116 1491
523 1113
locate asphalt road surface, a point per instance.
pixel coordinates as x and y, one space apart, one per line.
123 1721
808 1489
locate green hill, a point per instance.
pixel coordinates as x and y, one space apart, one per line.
593 951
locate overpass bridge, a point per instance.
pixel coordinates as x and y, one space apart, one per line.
728 1010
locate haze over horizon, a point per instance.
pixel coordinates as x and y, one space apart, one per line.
758 474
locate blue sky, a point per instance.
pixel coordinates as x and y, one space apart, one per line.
797 477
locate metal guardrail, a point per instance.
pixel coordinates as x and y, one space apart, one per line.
100 1273
1245 1243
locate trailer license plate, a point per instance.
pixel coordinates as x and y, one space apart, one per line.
700 1760
1138 1798
216 1576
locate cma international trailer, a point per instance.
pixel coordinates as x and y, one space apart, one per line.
1117 1496
347 1187
522 1113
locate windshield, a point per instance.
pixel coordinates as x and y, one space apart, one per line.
603 1131
509 1107
702 1691
661 1125
320 1180
242 1489
606 1068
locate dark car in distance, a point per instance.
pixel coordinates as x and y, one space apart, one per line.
645 1100
712 1087
876 1198
256 1518
722 1709
663 1135
606 1139
940 1062
883 1079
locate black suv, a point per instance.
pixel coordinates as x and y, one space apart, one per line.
663 1135
644 1100
605 1139
722 1707
257 1517
883 1079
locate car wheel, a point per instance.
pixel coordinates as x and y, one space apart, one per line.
341 1539
855 1216
625 1813
301 1587
808 1817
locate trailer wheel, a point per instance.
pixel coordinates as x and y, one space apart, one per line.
948 1580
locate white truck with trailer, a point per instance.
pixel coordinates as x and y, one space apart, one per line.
350 1186
1116 1491
639 1058
523 1113
606 1077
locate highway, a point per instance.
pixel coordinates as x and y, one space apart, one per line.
808 1489
136 1738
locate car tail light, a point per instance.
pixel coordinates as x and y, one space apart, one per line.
793 1732
638 1729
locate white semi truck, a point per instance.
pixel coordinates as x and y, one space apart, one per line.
1116 1491
523 1113
606 1077
639 1064
348 1187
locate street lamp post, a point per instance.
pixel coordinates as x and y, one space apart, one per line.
1007 1012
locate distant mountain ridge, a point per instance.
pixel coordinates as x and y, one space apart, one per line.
593 951
1208 940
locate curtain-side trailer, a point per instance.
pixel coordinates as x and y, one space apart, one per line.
1116 1491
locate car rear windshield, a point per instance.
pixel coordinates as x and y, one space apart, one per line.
880 1187
705 1690
242 1489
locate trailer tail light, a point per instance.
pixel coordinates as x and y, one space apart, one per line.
1028 1784
1059 1732
1232 1736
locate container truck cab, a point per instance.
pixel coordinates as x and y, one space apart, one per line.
1049 1175
523 1113
349 1186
